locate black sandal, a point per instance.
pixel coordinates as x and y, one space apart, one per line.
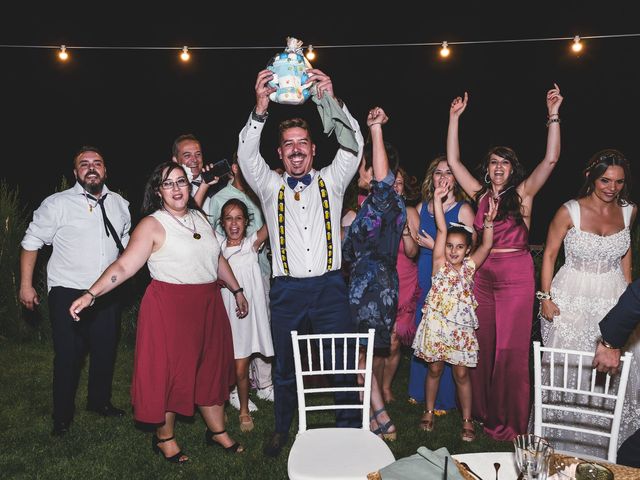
179 458
208 438
385 427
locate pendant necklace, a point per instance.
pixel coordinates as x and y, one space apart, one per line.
91 207
496 197
193 230
296 194
236 251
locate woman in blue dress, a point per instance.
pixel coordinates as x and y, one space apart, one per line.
458 211
371 249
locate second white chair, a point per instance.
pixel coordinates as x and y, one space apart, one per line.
570 391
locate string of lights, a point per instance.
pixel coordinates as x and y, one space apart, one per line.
445 46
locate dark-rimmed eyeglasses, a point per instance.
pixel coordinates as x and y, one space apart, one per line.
169 184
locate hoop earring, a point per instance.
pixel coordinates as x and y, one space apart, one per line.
486 178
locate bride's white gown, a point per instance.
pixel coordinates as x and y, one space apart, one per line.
586 287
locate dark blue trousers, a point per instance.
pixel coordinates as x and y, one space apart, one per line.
629 452
317 305
96 333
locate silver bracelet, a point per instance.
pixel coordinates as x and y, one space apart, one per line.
93 297
540 295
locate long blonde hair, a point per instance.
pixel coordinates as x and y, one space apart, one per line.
428 187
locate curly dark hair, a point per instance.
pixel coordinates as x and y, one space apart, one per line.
411 191
510 202
598 164
152 201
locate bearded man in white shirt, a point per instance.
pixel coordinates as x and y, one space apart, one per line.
88 227
302 209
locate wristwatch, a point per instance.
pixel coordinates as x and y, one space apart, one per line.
257 117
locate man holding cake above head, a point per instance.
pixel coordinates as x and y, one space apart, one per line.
302 209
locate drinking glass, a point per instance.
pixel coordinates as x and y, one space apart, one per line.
533 455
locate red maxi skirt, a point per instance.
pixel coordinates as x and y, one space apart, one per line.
184 351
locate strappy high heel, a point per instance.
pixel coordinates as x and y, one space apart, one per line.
426 425
377 431
179 458
385 427
209 440
468 434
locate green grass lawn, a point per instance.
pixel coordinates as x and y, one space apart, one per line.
99 447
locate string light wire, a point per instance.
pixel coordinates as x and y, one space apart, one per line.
327 46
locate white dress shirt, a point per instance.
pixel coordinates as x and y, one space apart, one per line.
305 233
73 224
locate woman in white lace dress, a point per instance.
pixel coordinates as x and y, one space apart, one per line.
595 229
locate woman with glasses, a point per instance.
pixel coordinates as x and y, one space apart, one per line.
184 350
595 231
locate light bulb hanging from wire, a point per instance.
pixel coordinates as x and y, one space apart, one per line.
577 45
310 53
444 51
185 55
63 54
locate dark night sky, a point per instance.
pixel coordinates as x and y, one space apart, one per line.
132 104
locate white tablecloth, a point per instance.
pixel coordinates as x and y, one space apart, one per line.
482 464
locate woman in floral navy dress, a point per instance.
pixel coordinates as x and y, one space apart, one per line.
371 247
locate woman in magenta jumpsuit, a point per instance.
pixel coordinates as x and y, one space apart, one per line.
505 284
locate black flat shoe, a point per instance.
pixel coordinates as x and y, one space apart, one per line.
60 428
275 444
179 458
208 438
107 410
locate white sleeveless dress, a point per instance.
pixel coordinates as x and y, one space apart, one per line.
585 288
251 334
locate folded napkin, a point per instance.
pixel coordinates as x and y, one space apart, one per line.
334 119
426 464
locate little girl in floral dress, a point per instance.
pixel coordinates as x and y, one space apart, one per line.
446 332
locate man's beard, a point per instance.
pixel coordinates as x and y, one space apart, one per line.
93 188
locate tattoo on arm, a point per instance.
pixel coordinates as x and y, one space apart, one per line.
114 278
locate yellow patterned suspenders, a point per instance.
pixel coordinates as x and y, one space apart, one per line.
326 212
